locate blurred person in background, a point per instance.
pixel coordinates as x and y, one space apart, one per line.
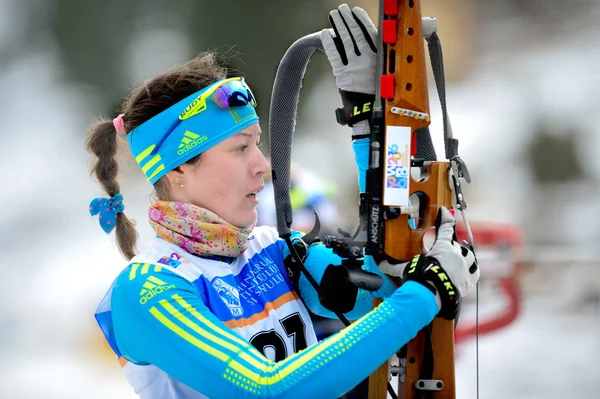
207 308
309 193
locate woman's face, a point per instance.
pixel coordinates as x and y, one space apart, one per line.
227 178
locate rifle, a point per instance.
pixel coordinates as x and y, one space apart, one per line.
406 185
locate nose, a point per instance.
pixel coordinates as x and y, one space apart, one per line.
263 166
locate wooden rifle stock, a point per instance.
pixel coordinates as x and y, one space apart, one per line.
405 67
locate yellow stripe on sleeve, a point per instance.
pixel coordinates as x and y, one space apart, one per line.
211 337
133 270
256 355
270 373
231 363
188 337
330 348
156 280
145 268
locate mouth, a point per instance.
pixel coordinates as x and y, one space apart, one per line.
254 194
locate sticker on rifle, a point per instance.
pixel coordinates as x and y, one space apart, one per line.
397 166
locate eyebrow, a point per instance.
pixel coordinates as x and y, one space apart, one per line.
249 135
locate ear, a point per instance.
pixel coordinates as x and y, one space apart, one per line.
175 176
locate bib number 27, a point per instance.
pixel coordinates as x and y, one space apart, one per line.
272 341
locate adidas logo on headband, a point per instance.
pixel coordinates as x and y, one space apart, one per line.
189 141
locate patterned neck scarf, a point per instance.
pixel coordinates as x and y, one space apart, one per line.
197 230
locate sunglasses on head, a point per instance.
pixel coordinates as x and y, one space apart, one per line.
235 93
232 92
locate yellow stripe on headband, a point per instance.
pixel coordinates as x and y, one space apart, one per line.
159 169
151 163
142 155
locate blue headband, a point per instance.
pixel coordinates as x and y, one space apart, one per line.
185 130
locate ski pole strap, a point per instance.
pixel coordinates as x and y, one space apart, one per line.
357 107
294 265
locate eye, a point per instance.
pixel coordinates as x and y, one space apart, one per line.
242 148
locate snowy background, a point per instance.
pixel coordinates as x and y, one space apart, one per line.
523 87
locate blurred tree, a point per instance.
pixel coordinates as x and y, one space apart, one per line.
552 156
549 16
257 33
92 37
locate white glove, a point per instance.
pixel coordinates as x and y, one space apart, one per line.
353 59
457 261
393 269
351 50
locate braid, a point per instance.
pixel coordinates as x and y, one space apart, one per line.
102 143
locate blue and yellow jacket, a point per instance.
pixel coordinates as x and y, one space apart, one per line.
188 327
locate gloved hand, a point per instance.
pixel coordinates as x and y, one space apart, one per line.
448 269
351 50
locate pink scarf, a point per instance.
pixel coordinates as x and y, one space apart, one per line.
197 230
